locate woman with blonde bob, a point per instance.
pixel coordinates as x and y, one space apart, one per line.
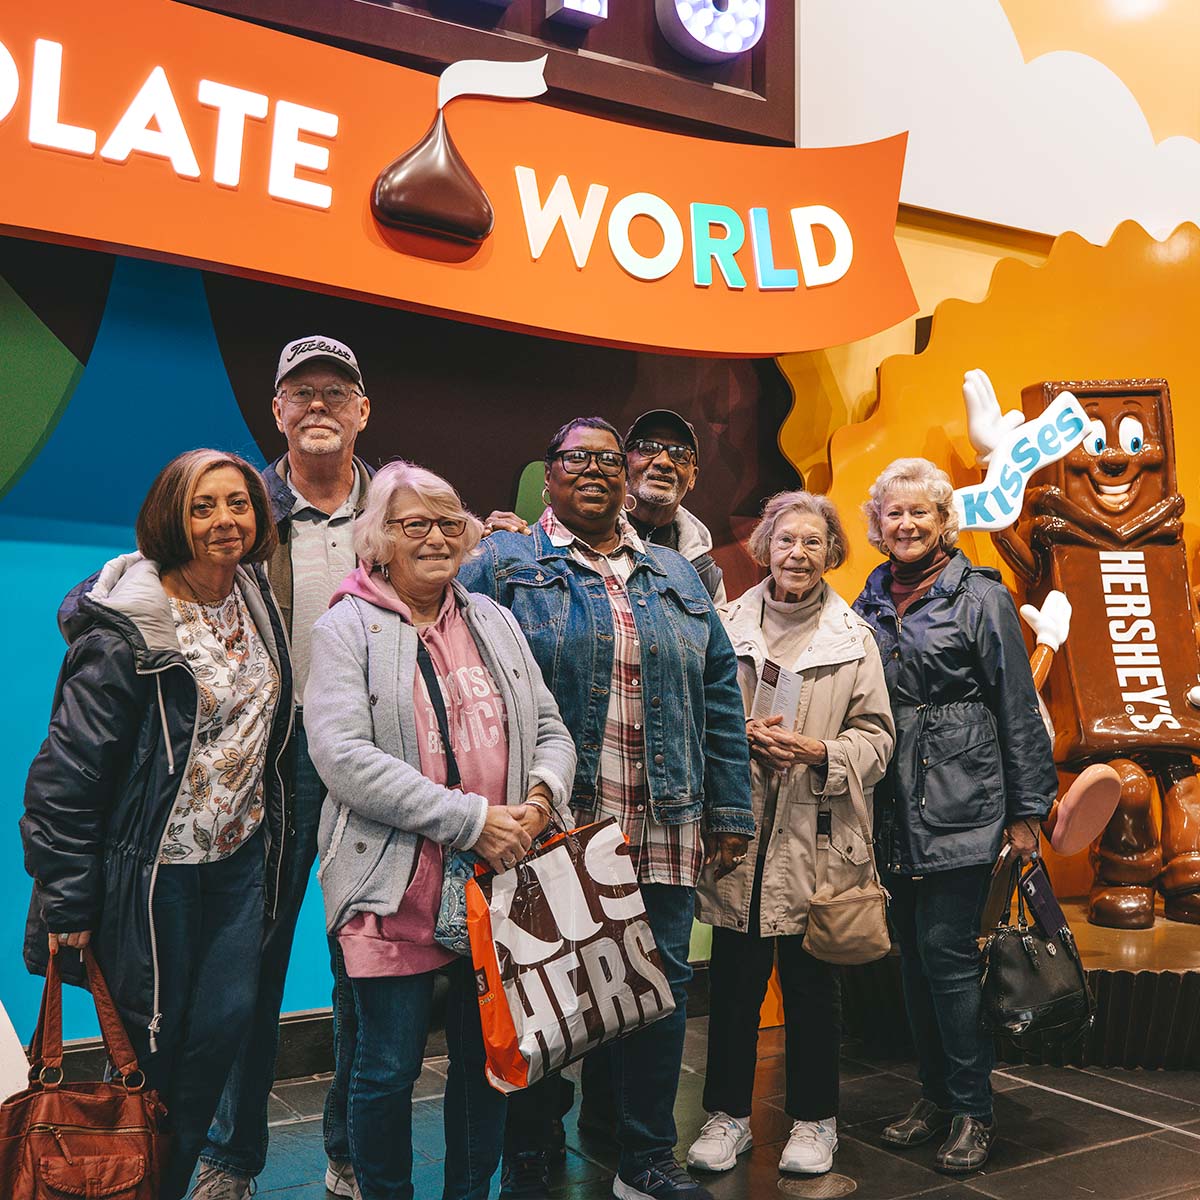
972 768
430 725
155 812
800 787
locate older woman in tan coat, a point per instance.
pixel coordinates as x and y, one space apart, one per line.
800 774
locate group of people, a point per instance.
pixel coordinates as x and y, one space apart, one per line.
325 664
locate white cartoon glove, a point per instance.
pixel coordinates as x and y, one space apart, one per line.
1052 622
987 426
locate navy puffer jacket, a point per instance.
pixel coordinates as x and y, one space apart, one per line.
972 754
102 786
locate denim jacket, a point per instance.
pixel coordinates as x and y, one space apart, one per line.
697 763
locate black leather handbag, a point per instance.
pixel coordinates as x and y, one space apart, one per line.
1035 990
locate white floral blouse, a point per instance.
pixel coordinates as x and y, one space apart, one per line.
220 802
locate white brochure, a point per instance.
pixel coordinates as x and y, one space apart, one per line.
777 694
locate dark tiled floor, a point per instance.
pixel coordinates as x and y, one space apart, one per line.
1065 1134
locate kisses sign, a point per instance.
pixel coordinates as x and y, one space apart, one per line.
181 134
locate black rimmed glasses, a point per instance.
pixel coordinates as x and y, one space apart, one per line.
681 456
576 462
335 396
420 527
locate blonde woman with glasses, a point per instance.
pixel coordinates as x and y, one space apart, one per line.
430 725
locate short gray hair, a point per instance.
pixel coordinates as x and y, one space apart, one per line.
914 476
374 541
782 503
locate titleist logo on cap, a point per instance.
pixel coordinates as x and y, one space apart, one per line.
320 345
304 349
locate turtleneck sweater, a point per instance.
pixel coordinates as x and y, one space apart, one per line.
911 580
787 627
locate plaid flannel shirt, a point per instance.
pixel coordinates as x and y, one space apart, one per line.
672 854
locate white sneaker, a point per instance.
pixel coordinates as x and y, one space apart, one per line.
810 1147
721 1140
340 1181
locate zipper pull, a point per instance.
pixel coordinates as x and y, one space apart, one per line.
62 1145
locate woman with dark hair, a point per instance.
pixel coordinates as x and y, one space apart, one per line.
804 775
646 681
973 769
155 815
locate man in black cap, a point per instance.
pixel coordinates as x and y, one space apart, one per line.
664 461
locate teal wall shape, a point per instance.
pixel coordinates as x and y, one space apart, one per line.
154 385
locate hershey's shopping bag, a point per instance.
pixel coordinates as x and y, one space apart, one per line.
563 953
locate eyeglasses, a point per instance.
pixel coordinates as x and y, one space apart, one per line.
419 527
576 462
810 545
682 456
335 396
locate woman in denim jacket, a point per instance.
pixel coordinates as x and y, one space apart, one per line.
646 681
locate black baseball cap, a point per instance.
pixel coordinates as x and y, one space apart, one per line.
665 416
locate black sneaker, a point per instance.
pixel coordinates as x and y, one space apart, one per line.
660 1178
526 1176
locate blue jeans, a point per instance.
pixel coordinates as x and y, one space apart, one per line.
936 921
393 1022
345 1033
208 922
237 1141
643 1067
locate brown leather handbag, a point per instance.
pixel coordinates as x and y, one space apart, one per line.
59 1141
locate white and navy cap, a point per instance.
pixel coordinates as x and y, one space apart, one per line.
315 348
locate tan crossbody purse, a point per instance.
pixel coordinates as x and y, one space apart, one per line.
849 927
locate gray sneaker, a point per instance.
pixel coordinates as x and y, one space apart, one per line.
340 1181
213 1183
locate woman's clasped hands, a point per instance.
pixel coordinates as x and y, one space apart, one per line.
778 749
509 831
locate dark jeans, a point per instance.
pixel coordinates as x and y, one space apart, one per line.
644 1067
936 921
393 1021
208 922
345 1031
237 1140
738 972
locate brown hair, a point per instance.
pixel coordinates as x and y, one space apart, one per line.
164 532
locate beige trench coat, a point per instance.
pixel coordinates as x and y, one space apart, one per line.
843 702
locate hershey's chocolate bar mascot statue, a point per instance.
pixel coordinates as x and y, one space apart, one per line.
1104 525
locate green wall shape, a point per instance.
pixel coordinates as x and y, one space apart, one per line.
38 374
529 505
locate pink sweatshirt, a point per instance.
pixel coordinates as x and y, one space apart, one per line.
402 943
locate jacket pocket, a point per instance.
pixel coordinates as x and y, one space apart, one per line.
537 599
688 615
962 784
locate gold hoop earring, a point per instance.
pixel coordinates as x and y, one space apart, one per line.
630 502
546 495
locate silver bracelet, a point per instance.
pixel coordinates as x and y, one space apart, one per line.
538 803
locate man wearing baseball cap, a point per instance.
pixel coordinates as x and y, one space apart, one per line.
664 461
317 488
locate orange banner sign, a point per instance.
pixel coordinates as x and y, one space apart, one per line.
180 134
